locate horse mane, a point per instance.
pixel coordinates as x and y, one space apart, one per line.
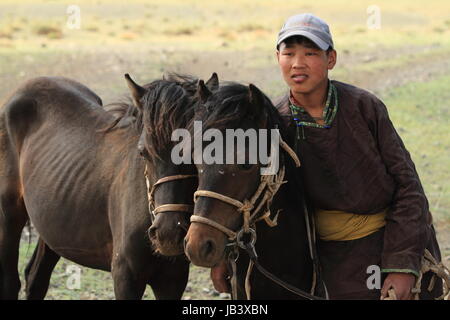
167 105
230 107
126 110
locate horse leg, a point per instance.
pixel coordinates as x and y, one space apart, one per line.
39 271
170 280
13 217
128 276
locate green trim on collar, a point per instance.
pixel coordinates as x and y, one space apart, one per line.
329 112
401 270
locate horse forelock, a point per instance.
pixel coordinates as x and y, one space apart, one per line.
168 105
230 107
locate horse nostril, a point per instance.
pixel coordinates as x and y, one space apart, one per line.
208 248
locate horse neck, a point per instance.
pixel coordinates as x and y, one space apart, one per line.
286 245
282 249
121 147
291 217
126 171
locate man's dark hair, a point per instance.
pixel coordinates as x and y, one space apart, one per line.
302 41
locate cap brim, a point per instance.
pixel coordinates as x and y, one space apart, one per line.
319 42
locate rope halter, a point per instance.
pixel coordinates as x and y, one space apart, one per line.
268 187
179 207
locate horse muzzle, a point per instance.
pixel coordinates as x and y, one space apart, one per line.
204 246
168 240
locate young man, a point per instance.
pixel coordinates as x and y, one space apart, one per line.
369 206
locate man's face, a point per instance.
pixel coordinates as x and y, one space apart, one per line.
304 68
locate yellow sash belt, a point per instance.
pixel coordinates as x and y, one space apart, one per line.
334 225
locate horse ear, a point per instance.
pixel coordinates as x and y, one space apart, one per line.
202 91
256 97
213 82
137 92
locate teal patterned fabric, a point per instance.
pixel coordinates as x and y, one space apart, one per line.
301 117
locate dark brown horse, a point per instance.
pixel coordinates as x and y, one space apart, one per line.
283 249
83 188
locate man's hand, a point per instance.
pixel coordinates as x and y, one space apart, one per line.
402 283
220 277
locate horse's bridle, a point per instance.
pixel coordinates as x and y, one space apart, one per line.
178 207
269 184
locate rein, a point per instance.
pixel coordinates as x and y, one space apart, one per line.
250 249
267 189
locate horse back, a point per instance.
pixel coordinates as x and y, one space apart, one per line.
52 160
45 100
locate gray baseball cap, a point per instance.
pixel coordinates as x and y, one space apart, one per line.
309 26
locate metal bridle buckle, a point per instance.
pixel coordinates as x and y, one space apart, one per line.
240 241
249 246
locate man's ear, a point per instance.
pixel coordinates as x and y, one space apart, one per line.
332 58
278 55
